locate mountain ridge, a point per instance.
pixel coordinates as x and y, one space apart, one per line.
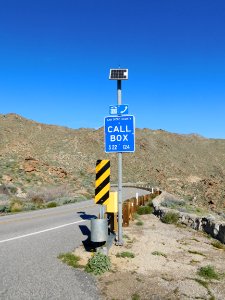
37 154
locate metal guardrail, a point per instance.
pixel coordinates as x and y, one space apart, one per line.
143 186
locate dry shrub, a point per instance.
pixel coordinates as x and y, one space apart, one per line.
37 200
48 194
16 206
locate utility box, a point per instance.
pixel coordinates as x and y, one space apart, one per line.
112 203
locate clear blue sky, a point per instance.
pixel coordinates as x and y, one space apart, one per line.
55 58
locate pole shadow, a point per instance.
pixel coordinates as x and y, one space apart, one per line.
85 216
88 244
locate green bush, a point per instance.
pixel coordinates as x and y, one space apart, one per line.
29 206
170 218
98 264
12 189
208 272
4 209
140 223
70 259
144 210
149 203
51 204
125 254
135 297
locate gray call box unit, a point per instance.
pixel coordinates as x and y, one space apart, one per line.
118 74
99 230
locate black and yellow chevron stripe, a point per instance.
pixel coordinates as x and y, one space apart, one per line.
102 183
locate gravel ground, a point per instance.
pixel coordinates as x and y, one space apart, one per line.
172 274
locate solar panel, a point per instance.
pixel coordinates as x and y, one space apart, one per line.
118 74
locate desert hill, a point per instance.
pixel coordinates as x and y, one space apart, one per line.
35 155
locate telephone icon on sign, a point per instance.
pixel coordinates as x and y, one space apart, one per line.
125 109
122 109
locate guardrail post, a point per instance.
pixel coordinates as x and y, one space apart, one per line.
126 214
134 206
139 201
132 203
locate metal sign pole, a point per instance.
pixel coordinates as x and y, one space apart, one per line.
120 192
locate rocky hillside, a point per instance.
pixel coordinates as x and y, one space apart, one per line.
35 155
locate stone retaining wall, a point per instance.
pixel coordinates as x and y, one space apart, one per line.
209 224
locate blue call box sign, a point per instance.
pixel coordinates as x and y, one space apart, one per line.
120 134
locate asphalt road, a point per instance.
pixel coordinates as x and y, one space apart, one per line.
29 245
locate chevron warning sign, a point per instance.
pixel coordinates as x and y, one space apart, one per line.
102 183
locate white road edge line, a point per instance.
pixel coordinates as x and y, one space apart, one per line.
41 231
